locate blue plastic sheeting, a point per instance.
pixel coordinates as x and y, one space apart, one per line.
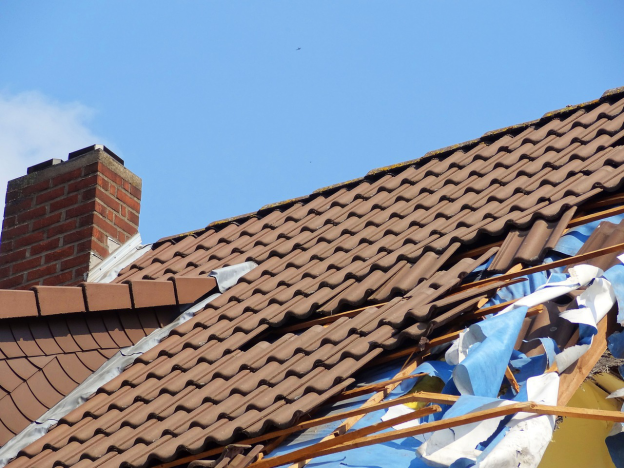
572 241
615 444
482 371
615 275
616 344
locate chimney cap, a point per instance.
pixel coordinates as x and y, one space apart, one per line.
43 165
88 149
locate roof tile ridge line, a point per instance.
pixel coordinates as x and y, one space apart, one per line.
34 291
487 137
109 370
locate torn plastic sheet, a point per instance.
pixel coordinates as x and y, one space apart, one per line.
572 241
111 369
228 276
483 352
502 442
107 270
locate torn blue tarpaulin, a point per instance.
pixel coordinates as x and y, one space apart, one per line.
572 241
616 344
488 347
615 445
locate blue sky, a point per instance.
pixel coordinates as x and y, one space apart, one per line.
213 106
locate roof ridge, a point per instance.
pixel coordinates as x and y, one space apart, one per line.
487 137
101 297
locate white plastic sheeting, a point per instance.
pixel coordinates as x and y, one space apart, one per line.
525 436
226 278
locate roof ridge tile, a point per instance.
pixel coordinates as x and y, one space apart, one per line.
101 297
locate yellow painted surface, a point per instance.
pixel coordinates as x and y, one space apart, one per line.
609 382
579 443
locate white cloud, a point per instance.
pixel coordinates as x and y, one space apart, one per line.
35 128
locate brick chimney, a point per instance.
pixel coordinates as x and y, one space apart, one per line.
63 218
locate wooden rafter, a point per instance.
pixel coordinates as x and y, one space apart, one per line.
348 442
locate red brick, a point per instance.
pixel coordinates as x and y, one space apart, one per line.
90 169
15 232
9 222
129 201
79 273
105 226
29 239
88 194
12 282
87 182
116 178
123 210
59 254
85 208
6 246
13 257
44 246
77 261
66 202
5 271
47 221
99 235
71 175
50 195
113 190
17 206
13 195
67 226
100 250
41 272
77 236
86 220
125 225
62 278
36 188
122 237
84 246
29 215
135 192
101 209
107 199
133 218
104 183
26 265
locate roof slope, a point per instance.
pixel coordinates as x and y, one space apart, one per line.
391 236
